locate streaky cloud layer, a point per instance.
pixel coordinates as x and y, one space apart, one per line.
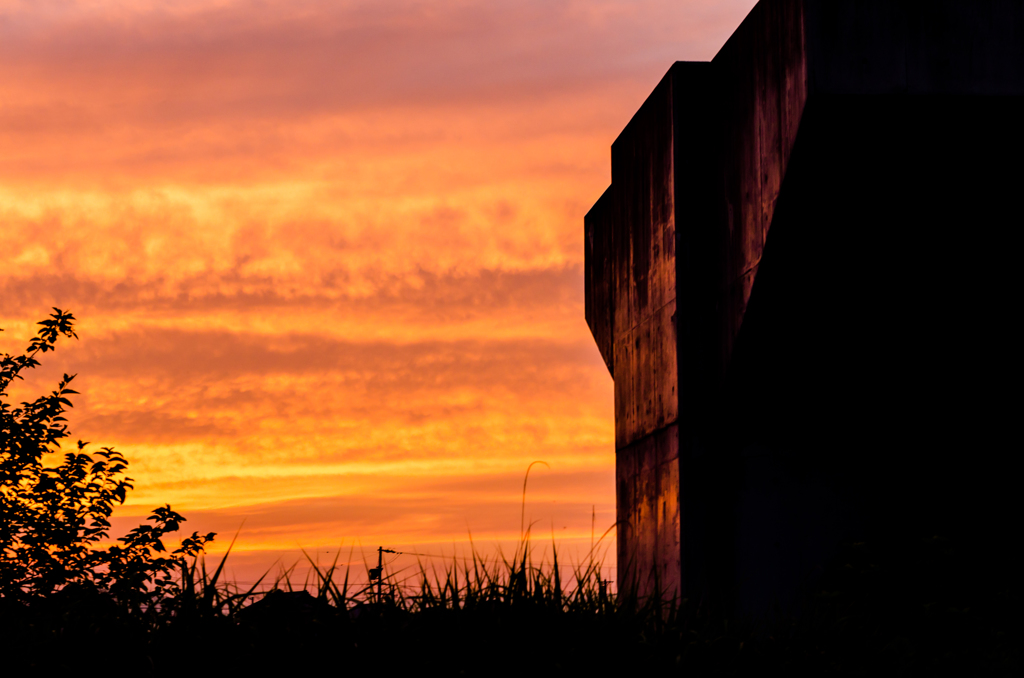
327 256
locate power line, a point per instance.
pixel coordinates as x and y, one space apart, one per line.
432 555
453 557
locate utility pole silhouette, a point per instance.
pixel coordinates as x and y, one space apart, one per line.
378 572
602 585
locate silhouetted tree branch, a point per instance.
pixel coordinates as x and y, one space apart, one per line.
53 520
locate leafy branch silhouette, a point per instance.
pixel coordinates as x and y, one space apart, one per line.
53 520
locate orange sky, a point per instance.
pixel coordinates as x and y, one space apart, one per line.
327 256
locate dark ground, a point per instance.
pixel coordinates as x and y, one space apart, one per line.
923 606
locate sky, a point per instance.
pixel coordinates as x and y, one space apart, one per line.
327 257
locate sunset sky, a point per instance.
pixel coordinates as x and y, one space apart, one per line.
327 257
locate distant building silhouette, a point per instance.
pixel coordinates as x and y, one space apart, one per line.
804 281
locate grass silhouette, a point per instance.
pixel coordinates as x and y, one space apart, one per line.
508 616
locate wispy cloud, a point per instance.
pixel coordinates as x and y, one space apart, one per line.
327 256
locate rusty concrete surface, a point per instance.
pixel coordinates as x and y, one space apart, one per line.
765 279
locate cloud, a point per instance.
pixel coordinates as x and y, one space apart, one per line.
294 58
327 256
407 509
367 399
254 87
399 307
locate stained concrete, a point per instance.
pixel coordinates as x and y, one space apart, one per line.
802 280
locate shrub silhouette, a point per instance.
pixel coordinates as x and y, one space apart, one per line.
54 519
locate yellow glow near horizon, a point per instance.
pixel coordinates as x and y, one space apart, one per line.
327 258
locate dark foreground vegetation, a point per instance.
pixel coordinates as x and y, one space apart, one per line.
873 617
919 605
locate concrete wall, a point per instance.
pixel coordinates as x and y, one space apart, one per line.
765 277
599 281
760 93
960 47
630 237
